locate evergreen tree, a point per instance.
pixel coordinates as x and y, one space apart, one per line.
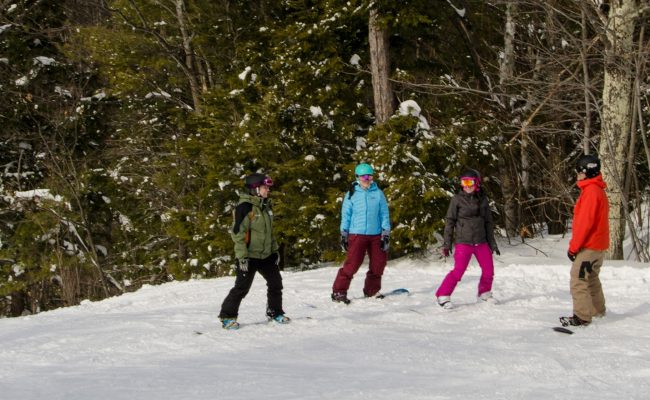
50 132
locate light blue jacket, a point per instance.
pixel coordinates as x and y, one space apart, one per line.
366 213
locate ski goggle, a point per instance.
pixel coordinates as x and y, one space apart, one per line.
467 182
365 177
584 168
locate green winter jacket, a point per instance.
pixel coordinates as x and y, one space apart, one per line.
253 213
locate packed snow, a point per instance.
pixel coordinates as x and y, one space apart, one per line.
146 345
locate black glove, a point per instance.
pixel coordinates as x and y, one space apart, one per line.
572 256
242 264
496 250
344 240
385 240
444 251
276 261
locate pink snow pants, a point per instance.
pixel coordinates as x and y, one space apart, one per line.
462 254
358 245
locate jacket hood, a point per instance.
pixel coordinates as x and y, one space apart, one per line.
596 180
373 186
254 200
475 193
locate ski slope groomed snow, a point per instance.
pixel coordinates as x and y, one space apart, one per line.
144 345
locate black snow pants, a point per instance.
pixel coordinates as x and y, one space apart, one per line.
270 272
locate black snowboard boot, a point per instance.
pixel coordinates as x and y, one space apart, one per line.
338 297
573 321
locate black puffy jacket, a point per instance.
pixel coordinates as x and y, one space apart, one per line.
469 219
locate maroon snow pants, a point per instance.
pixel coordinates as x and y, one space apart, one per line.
358 245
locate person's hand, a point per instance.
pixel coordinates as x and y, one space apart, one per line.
385 240
344 240
572 256
444 251
276 260
242 264
496 250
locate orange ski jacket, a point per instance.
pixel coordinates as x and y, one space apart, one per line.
590 217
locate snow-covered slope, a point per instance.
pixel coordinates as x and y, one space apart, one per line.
143 345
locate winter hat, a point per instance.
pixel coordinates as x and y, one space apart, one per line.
363 169
589 165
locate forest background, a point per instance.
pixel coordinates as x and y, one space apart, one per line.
128 125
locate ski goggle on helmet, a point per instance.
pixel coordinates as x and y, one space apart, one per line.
467 181
364 172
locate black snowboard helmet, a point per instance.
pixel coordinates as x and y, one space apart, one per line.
589 165
253 181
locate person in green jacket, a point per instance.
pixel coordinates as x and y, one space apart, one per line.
256 250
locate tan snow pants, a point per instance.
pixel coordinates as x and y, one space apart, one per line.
586 290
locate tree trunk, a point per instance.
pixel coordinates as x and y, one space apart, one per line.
380 67
617 94
507 62
190 57
506 75
585 74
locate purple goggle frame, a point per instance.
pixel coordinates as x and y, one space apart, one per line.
266 182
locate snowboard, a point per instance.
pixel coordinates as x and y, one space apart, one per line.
396 292
383 295
248 324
